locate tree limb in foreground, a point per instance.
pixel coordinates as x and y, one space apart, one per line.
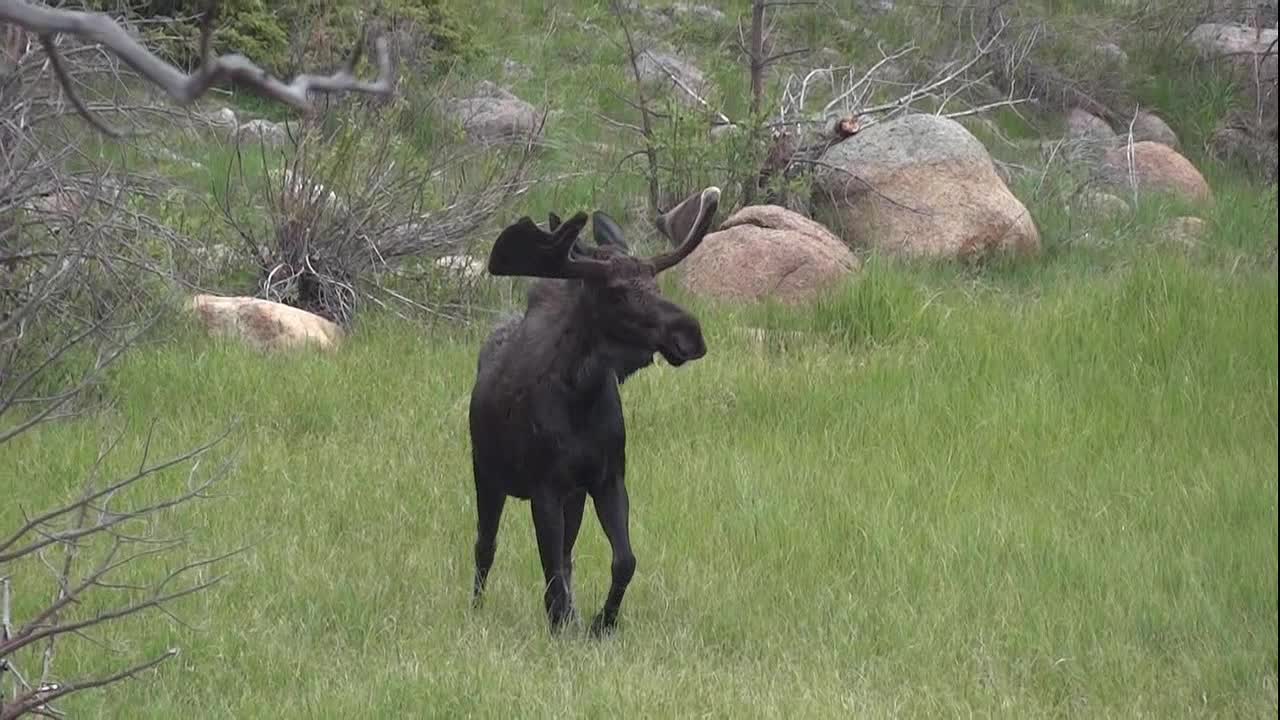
46 23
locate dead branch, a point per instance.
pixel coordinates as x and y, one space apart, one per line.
46 23
689 91
35 699
646 122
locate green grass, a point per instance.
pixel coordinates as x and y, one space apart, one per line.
951 497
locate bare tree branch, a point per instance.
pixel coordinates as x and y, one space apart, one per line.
8 555
646 123
34 699
48 22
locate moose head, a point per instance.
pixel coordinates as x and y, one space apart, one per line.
627 312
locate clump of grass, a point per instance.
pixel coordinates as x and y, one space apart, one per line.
881 304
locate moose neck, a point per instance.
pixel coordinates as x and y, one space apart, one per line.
586 358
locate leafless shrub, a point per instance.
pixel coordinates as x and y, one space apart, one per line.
95 547
351 221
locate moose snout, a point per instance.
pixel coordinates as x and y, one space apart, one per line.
684 341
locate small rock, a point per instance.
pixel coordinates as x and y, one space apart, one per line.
56 203
1113 52
723 130
1103 205
263 324
296 186
223 119
1242 144
515 69
878 6
216 253
1088 136
1150 127
465 265
264 131
1083 124
707 13
1185 230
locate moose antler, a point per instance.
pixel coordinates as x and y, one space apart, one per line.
46 23
523 248
689 222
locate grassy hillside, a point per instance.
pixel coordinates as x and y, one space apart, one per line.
1046 489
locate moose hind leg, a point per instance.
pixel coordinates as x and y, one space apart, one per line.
548 523
612 509
489 504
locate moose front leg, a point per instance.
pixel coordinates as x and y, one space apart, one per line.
573 507
612 508
548 523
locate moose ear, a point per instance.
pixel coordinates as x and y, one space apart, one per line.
553 221
677 222
607 233
523 248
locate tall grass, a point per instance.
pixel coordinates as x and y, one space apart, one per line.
953 498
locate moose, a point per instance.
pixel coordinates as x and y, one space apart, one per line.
545 417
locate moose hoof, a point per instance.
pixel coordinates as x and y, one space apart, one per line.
602 626
559 620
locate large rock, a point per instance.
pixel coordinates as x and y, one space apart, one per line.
921 185
494 116
264 325
767 251
1156 168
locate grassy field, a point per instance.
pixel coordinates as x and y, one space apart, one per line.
939 494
